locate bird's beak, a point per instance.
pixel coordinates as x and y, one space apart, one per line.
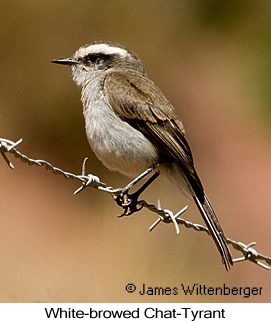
65 61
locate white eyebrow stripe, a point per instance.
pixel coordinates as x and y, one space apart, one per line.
101 48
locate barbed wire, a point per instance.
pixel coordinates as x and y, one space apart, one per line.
129 204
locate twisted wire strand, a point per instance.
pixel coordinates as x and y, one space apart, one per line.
166 216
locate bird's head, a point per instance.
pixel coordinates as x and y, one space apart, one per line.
99 57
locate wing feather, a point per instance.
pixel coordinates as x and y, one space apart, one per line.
138 101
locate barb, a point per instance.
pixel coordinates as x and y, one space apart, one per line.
166 216
7 146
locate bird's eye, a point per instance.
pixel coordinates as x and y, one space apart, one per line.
92 58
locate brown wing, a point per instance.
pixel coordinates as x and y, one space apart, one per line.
138 101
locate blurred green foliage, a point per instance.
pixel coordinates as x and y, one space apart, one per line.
222 14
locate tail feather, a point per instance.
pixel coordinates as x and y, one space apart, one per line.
215 230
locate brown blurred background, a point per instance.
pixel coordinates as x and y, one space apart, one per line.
212 59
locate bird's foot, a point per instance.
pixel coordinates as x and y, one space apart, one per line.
129 202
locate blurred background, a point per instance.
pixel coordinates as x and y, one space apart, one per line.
212 59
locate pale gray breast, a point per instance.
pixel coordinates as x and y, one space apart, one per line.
117 144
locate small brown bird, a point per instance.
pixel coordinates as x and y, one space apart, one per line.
131 125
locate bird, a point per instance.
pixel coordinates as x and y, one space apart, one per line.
131 125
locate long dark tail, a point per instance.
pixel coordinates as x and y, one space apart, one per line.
215 229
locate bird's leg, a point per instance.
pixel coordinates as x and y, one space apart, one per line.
139 178
129 201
